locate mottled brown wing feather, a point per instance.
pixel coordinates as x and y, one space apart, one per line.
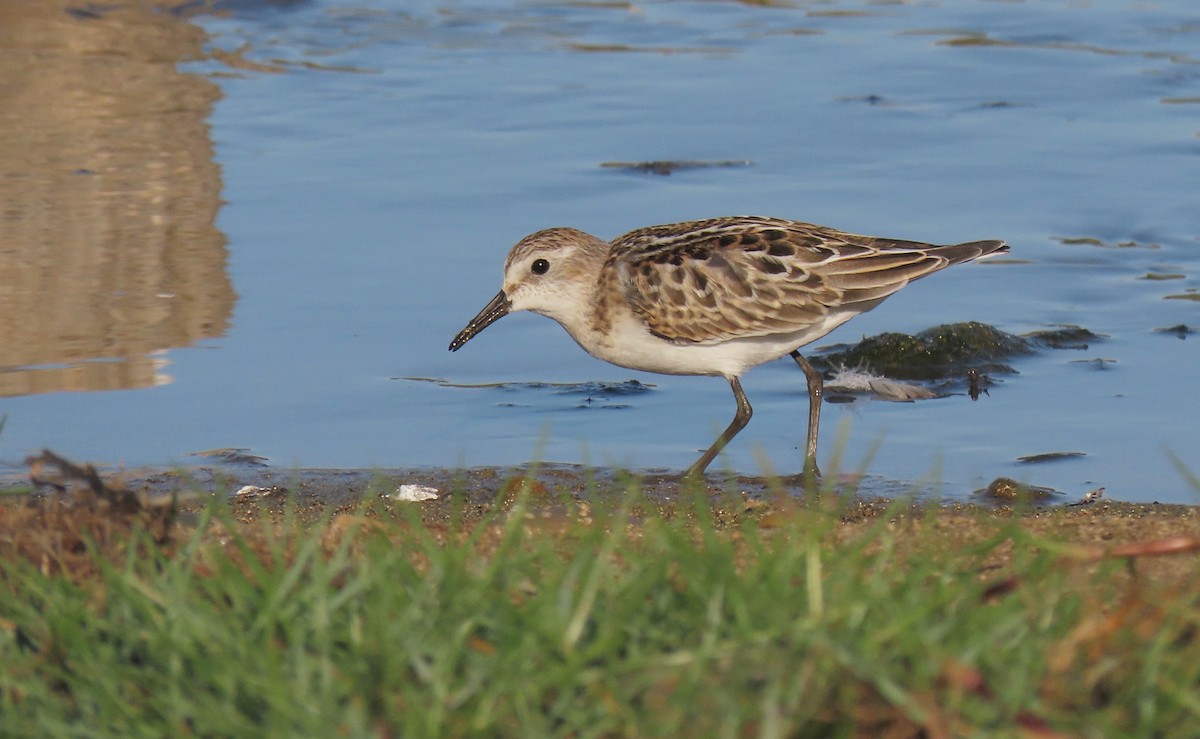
713 280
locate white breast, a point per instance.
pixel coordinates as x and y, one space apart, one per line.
629 344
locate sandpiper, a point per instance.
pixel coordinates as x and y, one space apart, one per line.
711 297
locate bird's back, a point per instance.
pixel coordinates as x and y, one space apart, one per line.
747 276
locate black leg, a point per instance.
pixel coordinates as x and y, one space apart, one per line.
815 389
740 419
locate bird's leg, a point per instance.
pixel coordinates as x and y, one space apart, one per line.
815 389
740 419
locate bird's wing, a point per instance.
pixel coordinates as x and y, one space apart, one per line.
706 281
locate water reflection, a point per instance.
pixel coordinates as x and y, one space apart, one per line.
109 252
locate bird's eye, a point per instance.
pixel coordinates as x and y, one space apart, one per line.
539 267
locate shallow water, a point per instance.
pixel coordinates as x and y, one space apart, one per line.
246 227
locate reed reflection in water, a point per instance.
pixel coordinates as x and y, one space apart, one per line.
109 252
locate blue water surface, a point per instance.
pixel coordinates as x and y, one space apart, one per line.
378 159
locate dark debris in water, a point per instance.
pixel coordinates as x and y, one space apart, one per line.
233 455
973 39
1003 104
591 394
590 387
627 48
1066 336
628 387
1162 276
868 99
1180 330
936 353
1100 363
665 167
1049 457
597 394
1093 241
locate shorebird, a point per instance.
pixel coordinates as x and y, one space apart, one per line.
713 297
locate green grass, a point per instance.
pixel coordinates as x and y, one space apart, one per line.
593 620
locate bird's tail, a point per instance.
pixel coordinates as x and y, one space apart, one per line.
958 253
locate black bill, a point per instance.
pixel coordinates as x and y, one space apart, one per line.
492 312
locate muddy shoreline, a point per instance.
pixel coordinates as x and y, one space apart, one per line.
346 486
69 498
